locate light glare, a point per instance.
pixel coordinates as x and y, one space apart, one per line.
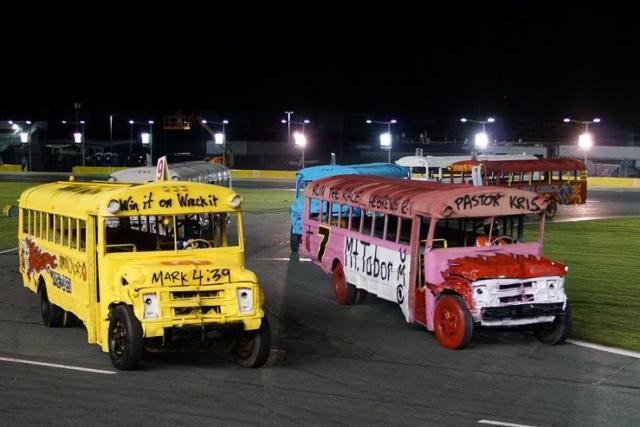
300 139
24 137
385 140
145 138
585 141
219 138
482 140
77 137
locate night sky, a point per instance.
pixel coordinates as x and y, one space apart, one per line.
516 60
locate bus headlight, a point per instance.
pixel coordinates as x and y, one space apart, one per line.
245 300
234 201
151 306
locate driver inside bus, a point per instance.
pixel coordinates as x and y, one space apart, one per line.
491 229
192 237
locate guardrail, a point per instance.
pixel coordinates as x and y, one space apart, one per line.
601 181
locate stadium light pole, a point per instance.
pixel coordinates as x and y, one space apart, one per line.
300 140
145 137
220 138
78 135
585 140
25 138
288 122
386 139
481 139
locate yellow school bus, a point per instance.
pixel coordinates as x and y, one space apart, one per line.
158 265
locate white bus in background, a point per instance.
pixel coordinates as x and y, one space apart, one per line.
195 171
435 168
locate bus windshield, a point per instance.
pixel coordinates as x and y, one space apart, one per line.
143 233
482 231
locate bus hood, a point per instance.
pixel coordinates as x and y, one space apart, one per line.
503 265
191 272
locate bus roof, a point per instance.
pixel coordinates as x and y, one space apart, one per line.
437 200
381 169
539 165
199 171
444 161
79 199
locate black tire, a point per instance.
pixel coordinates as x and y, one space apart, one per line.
556 332
52 315
126 343
251 350
294 241
361 296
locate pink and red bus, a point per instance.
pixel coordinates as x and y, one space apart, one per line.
450 255
562 180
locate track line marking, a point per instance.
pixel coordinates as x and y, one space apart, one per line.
8 250
501 423
619 351
55 365
284 259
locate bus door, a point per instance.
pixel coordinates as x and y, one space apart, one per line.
93 240
421 225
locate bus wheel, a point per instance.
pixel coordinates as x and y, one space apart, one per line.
252 348
551 210
361 296
294 241
557 331
125 338
453 322
52 315
344 291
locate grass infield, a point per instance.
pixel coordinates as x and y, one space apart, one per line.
603 256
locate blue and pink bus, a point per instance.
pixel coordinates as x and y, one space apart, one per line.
452 256
306 175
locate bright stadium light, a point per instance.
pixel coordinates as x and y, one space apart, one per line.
585 141
219 138
77 137
24 137
145 137
482 140
386 138
300 139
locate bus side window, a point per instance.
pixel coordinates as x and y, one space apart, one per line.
52 228
335 214
25 221
326 212
378 225
63 231
368 222
392 228
42 226
83 235
405 231
314 209
356 219
74 233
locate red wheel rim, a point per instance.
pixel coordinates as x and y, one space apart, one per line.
340 284
449 323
